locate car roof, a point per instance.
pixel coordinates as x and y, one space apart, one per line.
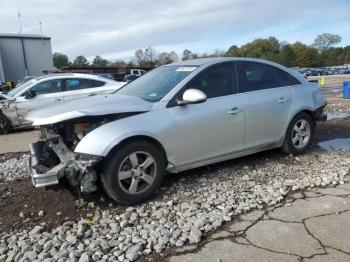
213 60
65 75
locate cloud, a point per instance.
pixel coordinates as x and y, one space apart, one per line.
119 27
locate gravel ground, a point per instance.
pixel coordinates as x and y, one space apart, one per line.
188 207
335 102
198 203
14 168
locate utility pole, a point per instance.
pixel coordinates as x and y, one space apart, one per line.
20 23
41 28
22 42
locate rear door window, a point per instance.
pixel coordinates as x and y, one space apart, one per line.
254 76
80 83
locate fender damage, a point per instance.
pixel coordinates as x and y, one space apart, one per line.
62 127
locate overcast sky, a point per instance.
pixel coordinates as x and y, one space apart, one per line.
116 28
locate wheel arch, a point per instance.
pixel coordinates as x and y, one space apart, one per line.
134 138
307 110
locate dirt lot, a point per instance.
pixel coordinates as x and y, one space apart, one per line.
17 142
332 80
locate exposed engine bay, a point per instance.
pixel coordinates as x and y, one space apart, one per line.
53 158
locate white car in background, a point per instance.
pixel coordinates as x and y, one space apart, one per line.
48 90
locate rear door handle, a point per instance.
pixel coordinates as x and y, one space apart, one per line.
235 111
58 99
282 100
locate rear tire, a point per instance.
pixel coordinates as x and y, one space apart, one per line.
134 172
299 134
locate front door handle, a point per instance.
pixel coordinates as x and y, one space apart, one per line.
282 100
58 99
235 111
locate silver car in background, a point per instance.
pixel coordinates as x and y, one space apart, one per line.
174 118
48 90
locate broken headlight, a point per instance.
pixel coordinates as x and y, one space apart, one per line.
81 129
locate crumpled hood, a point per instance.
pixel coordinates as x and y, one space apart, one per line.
91 106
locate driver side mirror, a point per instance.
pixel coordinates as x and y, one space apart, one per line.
192 96
30 94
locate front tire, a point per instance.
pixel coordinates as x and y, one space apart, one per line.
133 172
4 124
299 134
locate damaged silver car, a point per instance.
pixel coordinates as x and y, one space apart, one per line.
176 117
48 90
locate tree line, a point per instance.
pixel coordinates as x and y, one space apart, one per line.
322 52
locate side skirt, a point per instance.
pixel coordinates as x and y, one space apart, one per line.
245 152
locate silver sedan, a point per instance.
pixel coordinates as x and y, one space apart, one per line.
174 118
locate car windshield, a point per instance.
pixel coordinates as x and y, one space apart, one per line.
154 85
21 87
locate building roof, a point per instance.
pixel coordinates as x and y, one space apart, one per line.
28 36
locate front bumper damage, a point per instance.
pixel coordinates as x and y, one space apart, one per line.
51 161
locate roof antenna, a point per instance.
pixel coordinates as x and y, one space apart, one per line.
20 23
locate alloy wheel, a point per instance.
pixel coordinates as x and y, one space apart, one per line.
301 133
137 172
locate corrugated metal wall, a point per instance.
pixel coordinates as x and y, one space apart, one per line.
12 58
38 55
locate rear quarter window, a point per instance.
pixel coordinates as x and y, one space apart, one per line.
287 79
80 83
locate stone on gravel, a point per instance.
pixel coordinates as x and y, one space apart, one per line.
133 252
31 255
195 236
85 257
71 239
3 249
36 230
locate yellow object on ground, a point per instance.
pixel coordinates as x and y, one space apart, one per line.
322 82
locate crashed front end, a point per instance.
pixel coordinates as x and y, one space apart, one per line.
53 160
64 127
